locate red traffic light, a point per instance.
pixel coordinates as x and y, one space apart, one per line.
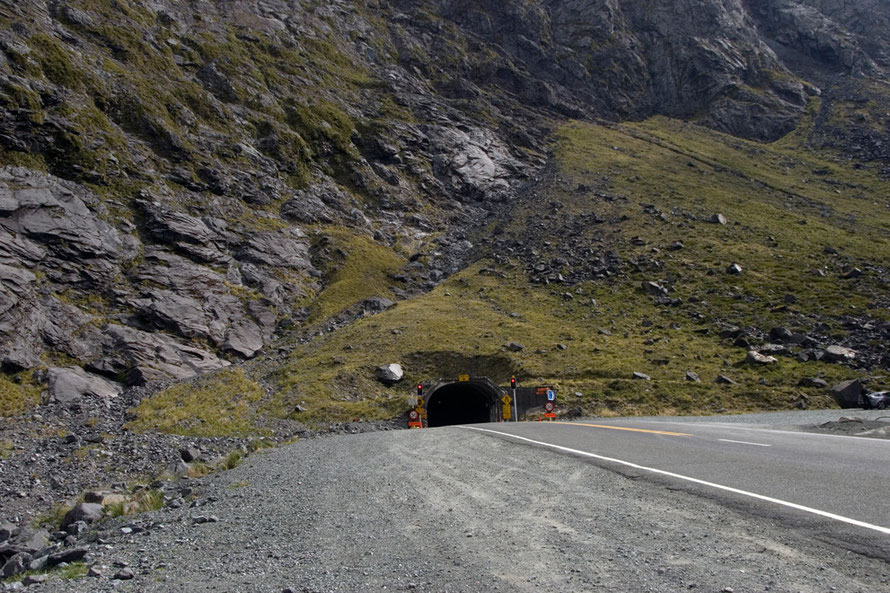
420 389
512 382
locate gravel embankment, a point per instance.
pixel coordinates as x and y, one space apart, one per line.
449 510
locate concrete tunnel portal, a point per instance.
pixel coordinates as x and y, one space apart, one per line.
463 402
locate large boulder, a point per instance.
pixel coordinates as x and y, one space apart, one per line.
837 353
848 394
390 374
15 565
243 338
32 541
88 512
67 385
814 382
754 357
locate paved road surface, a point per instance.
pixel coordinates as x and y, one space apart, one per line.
837 485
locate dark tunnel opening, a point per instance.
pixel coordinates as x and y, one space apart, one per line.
460 403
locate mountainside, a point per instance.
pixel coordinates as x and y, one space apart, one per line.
319 188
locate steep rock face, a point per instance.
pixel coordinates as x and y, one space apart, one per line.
632 59
868 20
66 271
832 34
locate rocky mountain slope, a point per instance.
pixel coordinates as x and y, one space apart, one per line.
269 199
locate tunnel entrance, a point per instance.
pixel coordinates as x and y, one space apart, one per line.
463 403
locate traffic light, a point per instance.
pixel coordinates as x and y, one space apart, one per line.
512 382
420 390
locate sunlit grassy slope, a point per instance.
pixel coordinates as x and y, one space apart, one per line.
783 205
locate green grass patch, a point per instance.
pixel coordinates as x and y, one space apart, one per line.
19 393
223 404
53 517
362 269
74 570
56 61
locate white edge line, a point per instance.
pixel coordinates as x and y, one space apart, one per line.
744 443
841 518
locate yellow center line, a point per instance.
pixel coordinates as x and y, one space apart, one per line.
671 434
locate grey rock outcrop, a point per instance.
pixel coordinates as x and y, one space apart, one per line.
152 356
472 163
825 30
675 58
68 385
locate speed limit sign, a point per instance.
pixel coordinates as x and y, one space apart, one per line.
548 406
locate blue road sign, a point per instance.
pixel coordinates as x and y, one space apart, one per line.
550 395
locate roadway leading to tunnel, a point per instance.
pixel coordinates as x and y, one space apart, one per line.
840 481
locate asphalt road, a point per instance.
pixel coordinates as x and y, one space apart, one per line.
834 486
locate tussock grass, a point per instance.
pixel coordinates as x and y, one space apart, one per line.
18 394
362 270
223 404
141 502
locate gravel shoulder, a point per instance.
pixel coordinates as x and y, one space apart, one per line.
449 510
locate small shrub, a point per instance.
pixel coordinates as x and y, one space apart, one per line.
199 469
53 516
232 460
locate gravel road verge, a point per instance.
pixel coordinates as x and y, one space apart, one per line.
450 510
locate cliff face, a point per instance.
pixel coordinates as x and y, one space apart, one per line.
634 59
176 172
817 37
